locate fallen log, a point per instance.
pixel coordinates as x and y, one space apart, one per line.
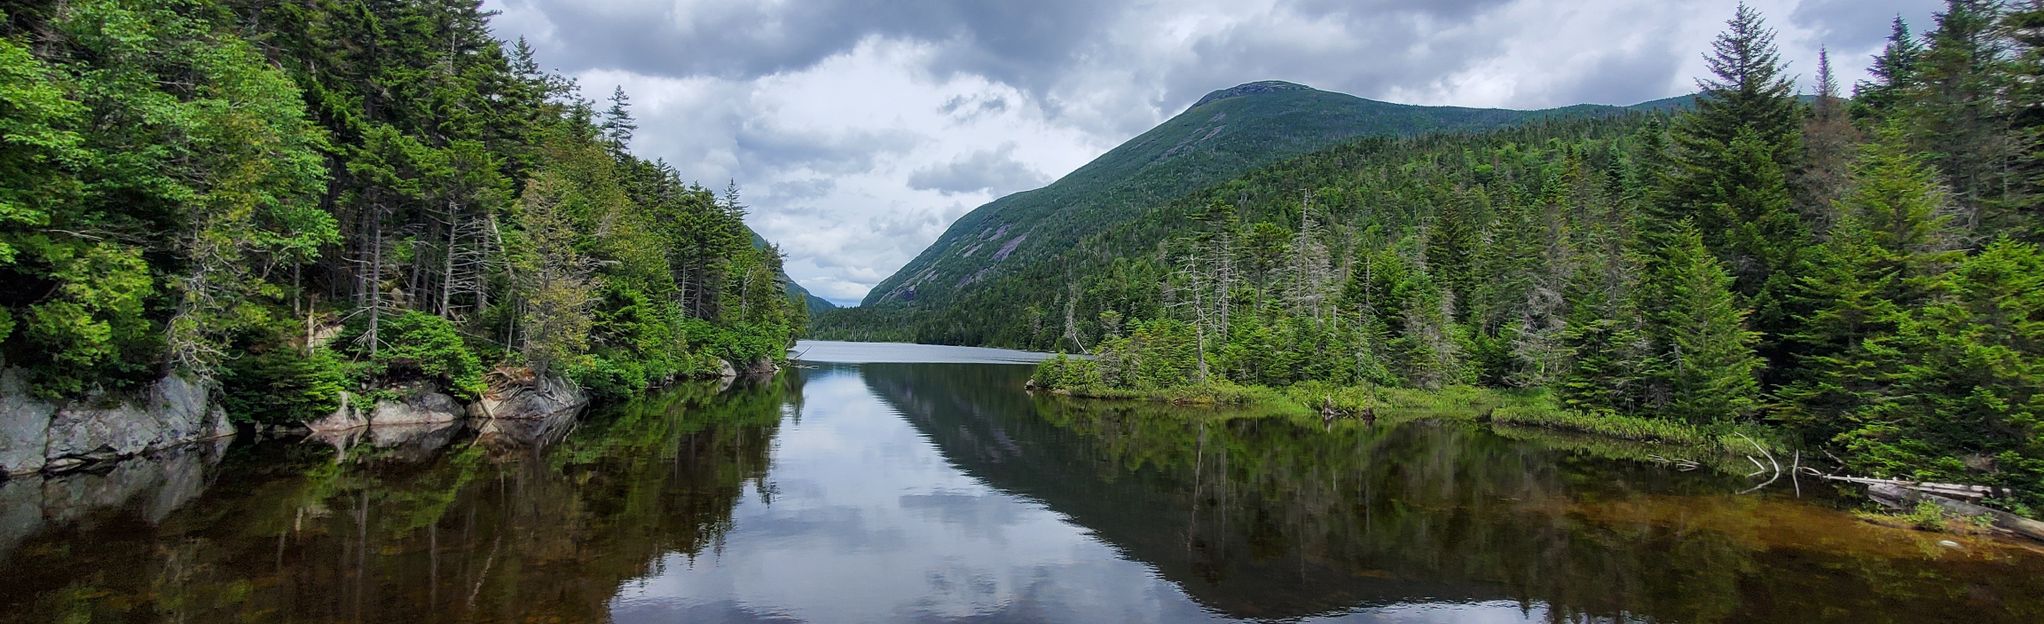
1903 497
1957 490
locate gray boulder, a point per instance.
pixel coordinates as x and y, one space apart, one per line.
345 418
421 405
83 433
725 370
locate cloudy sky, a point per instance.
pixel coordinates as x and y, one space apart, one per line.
859 129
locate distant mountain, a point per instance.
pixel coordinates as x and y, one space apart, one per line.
1223 135
795 291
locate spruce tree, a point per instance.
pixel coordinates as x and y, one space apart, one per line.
1828 140
1954 108
1892 73
2024 204
617 120
1711 369
1748 91
1962 381
1891 244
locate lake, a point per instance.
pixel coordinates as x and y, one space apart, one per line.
883 483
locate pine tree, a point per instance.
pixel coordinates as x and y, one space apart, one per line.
2024 204
1452 244
1748 91
1730 158
1711 371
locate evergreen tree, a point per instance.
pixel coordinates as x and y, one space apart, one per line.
1962 381
617 120
1731 156
1748 91
1954 108
1892 74
1711 375
1890 245
2024 204
1828 141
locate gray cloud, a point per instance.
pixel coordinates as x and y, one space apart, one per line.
995 170
1860 24
861 128
1010 41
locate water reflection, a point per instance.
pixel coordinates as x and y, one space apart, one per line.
927 492
285 532
1266 518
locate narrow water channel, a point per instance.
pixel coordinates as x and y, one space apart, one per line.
879 483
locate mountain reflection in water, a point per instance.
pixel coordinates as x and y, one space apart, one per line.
927 491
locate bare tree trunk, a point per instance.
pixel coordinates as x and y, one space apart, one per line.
447 263
375 289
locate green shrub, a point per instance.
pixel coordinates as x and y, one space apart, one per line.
420 345
283 386
1063 372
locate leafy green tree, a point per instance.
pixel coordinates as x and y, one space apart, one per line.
557 287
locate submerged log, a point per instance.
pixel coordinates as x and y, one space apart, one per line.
1903 497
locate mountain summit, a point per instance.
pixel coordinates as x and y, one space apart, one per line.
1003 246
1250 88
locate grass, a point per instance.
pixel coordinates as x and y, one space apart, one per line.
1536 409
1220 393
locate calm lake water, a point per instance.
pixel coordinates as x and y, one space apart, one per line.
882 483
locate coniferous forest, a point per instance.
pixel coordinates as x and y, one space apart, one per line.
292 199
359 310
1856 271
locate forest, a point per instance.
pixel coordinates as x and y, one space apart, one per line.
294 199
1860 274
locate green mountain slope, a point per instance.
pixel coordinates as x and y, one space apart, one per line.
1222 136
795 291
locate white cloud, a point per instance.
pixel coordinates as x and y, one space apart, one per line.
859 130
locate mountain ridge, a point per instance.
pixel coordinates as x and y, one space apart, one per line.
1224 134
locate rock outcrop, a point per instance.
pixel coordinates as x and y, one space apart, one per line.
347 417
24 425
154 488
546 397
417 404
39 435
761 367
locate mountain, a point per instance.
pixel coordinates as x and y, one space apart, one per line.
1223 135
796 292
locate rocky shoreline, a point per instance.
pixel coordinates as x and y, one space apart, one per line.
44 437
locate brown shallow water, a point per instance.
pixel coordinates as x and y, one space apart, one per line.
941 492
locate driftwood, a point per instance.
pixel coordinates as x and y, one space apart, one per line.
1904 497
1329 413
1953 490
